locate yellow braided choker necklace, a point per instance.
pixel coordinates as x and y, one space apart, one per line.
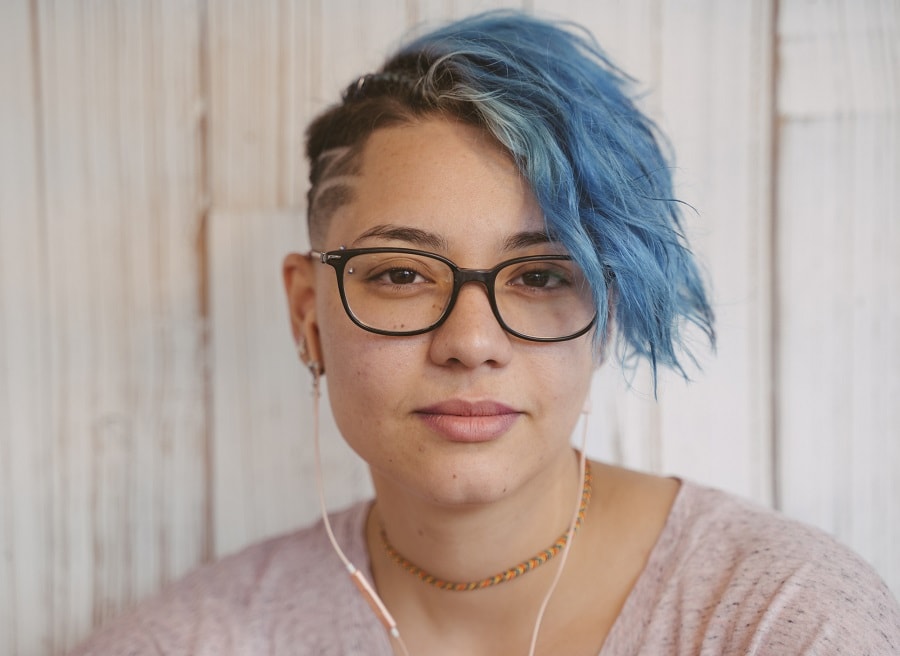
513 572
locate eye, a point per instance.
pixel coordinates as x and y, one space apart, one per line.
400 276
541 276
389 270
539 279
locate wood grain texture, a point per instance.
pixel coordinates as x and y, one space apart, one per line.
716 107
25 441
838 274
109 428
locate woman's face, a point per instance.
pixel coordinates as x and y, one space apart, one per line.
465 413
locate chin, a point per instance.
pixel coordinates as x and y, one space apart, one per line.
455 482
467 493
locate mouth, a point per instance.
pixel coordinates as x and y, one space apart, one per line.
469 422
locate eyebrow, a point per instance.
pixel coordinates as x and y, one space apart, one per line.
413 236
526 239
426 239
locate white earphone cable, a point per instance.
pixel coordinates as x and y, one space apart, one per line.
359 580
582 464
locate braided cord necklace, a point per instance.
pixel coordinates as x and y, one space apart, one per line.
502 577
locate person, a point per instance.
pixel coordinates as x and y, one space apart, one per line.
490 218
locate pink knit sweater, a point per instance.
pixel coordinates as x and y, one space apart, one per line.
725 577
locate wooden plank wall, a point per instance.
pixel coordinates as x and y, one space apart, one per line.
152 411
103 427
837 244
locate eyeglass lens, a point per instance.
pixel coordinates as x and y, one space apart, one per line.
405 292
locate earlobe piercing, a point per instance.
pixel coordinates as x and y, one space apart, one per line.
302 351
314 367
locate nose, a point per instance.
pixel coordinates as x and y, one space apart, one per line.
471 335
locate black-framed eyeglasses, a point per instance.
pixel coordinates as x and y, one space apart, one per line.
402 291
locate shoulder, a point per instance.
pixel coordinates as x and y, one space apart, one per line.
738 578
283 590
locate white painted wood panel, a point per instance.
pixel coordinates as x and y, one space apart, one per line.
103 348
424 13
716 68
25 439
838 238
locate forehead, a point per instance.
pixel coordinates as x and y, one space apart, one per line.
441 176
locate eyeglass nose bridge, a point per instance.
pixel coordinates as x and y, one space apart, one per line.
487 278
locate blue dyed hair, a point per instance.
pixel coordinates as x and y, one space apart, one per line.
552 98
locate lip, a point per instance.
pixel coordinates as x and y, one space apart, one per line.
457 420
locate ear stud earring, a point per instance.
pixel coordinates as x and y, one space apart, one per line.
314 367
302 351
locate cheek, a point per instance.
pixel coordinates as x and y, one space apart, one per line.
365 373
564 379
356 392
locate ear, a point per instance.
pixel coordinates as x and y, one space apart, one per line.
299 285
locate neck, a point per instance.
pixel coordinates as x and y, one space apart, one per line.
468 542
624 520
